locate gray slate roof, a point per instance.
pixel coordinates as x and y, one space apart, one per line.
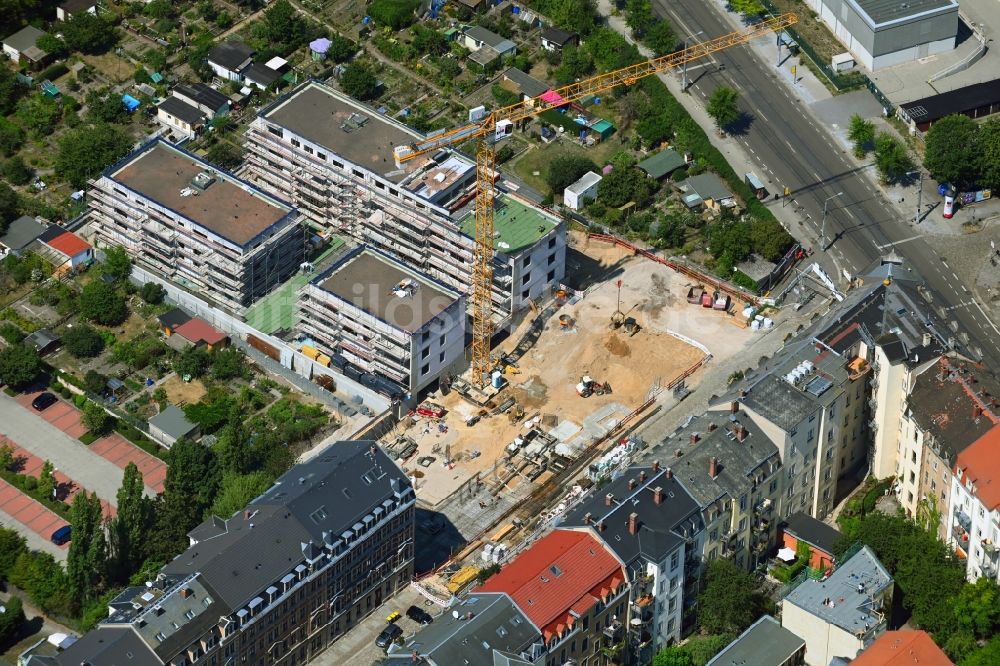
331 493
261 74
489 38
814 532
735 460
173 422
178 108
765 643
779 402
24 40
202 94
661 527
497 623
527 84
21 232
708 186
662 163
848 589
883 11
230 54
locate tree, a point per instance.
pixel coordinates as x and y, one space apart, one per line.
952 151
565 170
101 302
225 154
988 655
96 419
16 171
88 33
861 132
39 115
723 106
153 293
94 382
234 448
10 89
19 365
106 106
86 561
117 263
396 14
989 154
892 160
576 15
132 524
503 96
660 37
189 489
622 185
977 608
193 362
237 491
11 136
281 24
428 41
728 602
83 341
228 363
10 205
702 648
12 544
55 47
672 656
47 483
11 619
87 150
158 9
768 238
359 81
341 49
747 7
639 15
576 63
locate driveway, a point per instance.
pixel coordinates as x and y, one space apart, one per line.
40 434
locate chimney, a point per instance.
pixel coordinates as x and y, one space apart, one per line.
586 518
670 473
713 467
185 592
633 523
977 411
743 393
694 438
609 499
712 427
642 476
600 525
741 432
927 339
631 484
658 494
734 407
656 466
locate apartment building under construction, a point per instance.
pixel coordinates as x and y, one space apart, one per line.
196 225
333 158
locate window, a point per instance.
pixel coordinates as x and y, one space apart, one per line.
526 262
674 560
525 293
526 278
913 456
425 352
308 149
442 339
743 524
551 276
743 503
441 357
276 131
295 142
424 370
913 477
320 155
552 242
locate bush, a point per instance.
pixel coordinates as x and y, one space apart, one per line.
152 293
53 72
83 341
11 333
396 14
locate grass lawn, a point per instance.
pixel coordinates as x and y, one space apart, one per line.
539 156
112 66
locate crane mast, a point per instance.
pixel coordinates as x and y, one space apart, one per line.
495 125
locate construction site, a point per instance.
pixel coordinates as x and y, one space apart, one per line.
579 368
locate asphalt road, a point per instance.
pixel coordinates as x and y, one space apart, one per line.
782 133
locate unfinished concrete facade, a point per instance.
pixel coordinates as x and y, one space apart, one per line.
196 225
333 157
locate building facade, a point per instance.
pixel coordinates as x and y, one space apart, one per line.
197 225
276 583
973 525
342 176
375 313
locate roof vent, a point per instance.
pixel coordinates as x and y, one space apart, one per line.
203 181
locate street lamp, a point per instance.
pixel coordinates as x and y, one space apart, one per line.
684 80
822 232
920 191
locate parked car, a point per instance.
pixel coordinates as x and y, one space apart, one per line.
62 535
419 615
388 635
43 401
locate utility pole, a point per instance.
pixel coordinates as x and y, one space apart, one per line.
920 192
684 69
822 232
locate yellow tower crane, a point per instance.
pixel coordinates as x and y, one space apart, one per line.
498 124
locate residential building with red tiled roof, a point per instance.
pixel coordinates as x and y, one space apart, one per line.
200 332
973 523
65 247
571 587
903 648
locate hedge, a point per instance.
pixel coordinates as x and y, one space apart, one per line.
53 72
134 435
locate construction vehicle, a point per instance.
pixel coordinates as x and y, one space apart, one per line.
589 386
516 413
430 410
489 128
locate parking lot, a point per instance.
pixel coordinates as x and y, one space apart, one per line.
115 448
358 646
21 512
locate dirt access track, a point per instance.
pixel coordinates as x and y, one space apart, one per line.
544 383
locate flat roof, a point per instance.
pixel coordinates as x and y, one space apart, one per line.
367 280
765 643
961 100
327 118
229 207
884 11
516 225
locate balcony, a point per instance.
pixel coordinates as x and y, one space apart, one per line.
644 601
858 368
763 506
762 525
613 632
990 548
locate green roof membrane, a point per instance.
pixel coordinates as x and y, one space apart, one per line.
516 226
